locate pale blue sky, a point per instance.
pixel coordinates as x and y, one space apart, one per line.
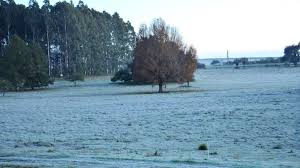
244 27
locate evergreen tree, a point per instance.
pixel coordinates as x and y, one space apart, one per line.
46 9
24 66
36 72
14 60
34 22
292 54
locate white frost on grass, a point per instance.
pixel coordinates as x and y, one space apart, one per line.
243 114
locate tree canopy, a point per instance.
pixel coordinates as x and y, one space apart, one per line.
292 54
160 56
24 66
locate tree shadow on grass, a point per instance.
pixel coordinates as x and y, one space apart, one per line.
164 92
168 92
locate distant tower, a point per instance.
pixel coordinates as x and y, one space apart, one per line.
227 56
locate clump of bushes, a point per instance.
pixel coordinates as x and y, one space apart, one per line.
203 147
75 77
215 62
213 153
123 76
5 86
200 66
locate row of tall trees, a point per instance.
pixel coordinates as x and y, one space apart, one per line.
161 56
75 39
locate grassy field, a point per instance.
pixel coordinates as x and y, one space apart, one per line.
246 117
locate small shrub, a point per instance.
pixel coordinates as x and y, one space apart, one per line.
50 150
51 81
75 78
213 153
277 147
203 147
156 153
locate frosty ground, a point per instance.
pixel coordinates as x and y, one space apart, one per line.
248 118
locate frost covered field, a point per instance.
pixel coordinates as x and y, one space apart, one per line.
248 118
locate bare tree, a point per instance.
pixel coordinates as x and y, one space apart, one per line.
188 65
157 55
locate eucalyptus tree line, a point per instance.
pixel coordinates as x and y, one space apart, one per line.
76 39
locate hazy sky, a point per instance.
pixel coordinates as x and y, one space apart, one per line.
244 27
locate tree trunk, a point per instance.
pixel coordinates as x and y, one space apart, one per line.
60 67
60 57
48 52
33 33
188 83
66 45
8 32
25 29
107 63
160 85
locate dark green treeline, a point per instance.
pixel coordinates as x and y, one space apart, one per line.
75 39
